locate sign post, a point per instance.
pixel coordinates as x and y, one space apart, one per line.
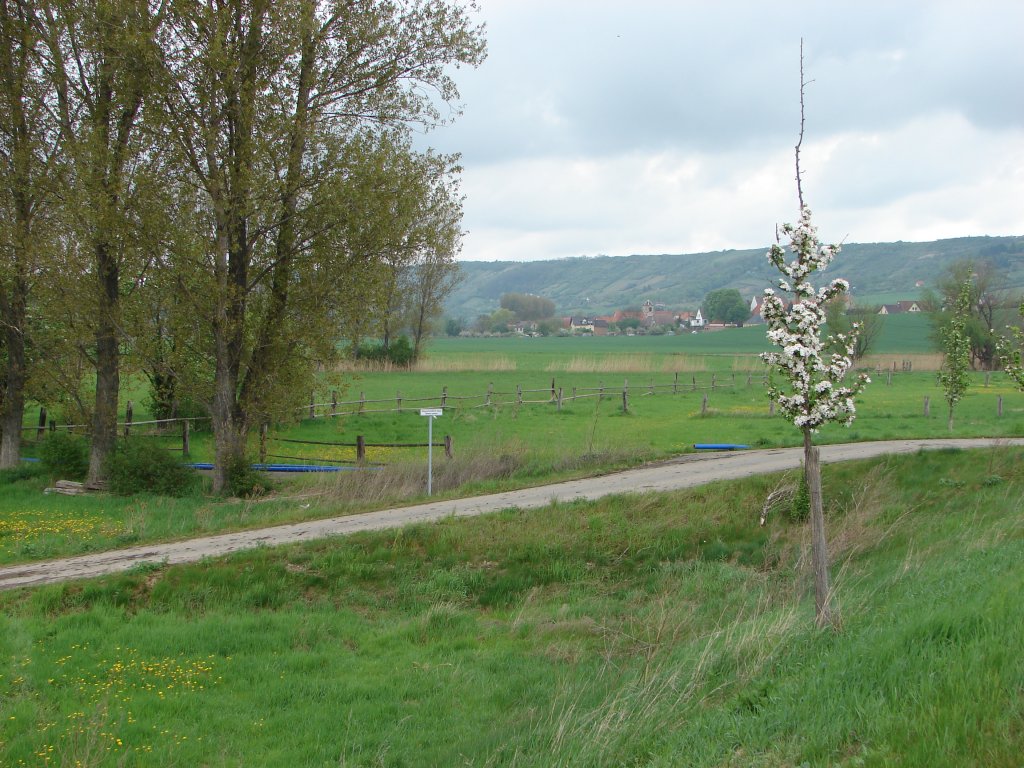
431 414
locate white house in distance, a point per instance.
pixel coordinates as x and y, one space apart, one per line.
698 320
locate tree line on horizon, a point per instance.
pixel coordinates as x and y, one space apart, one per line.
215 195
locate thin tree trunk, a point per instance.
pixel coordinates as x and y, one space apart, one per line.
824 612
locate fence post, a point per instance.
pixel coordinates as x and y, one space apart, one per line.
574 394
53 426
927 406
714 377
625 400
675 383
448 452
312 404
600 395
398 400
490 391
999 407
552 388
559 398
771 406
334 402
127 418
360 449
988 376
888 378
519 394
650 387
263 443
444 396
186 447
704 405
42 422
362 402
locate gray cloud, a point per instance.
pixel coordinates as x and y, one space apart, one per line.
591 117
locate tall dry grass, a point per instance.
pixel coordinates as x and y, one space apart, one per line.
482 362
918 362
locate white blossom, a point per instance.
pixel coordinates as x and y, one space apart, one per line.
815 394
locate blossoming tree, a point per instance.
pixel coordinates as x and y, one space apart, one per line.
811 388
956 347
1010 354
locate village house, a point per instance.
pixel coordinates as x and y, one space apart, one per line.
899 307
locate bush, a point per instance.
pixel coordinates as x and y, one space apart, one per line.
246 482
65 455
25 471
400 352
144 467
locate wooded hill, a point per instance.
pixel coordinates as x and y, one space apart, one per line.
876 271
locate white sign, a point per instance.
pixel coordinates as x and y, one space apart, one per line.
431 412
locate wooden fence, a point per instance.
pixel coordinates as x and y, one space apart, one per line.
553 394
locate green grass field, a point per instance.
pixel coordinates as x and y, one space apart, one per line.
659 630
504 445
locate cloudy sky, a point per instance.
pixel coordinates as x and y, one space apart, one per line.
667 126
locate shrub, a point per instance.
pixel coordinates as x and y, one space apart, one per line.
65 455
143 467
399 352
246 482
25 471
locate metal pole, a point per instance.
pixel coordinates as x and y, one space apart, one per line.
430 452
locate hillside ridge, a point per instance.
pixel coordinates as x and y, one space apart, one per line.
599 284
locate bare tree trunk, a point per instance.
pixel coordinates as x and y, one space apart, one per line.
12 396
108 359
819 545
949 421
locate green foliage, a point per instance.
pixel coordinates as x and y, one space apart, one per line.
726 305
65 455
799 510
24 471
398 352
957 349
141 466
527 306
244 482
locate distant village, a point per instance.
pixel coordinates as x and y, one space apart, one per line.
654 318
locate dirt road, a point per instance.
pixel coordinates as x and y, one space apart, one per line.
684 472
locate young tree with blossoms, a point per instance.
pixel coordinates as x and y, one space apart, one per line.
956 346
1009 352
811 389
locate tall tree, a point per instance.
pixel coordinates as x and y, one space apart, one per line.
266 103
100 62
1011 351
28 158
816 393
726 305
986 303
840 318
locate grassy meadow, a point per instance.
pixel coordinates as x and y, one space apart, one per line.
654 630
505 445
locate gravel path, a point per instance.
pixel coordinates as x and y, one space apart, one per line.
684 472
